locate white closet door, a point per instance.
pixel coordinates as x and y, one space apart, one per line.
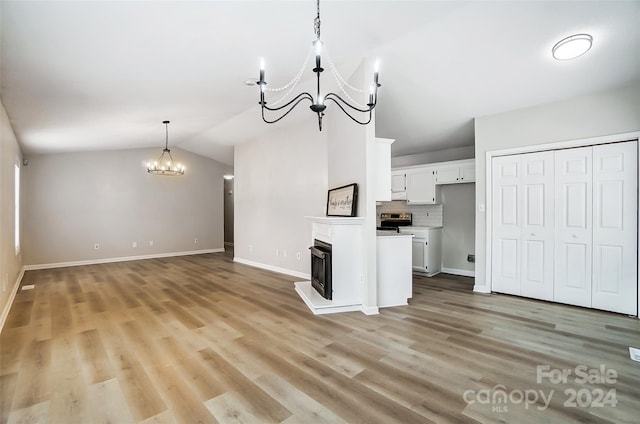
573 223
615 202
507 227
537 225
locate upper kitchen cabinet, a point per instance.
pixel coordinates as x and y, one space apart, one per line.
461 171
398 184
421 185
382 174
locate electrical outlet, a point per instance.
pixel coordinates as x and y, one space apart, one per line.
134 244
284 253
195 240
96 246
277 252
298 255
150 243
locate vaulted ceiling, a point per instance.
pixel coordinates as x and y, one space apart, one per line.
98 75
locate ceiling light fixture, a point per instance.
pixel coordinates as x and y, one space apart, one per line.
572 46
165 164
319 103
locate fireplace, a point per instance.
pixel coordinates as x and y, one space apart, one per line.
321 268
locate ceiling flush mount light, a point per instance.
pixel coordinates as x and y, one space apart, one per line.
572 47
319 102
165 164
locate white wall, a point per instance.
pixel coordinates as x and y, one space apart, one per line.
10 262
279 179
74 200
458 226
352 159
611 112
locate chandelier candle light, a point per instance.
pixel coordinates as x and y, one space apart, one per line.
165 164
319 103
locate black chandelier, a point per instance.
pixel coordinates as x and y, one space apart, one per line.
319 103
165 164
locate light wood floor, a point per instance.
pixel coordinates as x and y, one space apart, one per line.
202 339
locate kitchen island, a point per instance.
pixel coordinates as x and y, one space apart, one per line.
395 280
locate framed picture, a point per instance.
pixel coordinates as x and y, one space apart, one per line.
342 201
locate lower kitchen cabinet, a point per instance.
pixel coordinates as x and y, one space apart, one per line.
426 249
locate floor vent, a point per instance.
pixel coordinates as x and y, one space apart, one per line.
28 287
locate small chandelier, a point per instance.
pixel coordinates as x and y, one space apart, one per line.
319 103
165 164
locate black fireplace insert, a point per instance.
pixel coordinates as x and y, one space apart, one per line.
321 268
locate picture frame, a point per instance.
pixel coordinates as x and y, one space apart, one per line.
343 201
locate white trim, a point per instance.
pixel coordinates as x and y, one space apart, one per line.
12 296
462 272
481 289
318 304
272 268
370 310
120 259
592 141
336 220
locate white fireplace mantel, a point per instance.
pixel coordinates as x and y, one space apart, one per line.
345 236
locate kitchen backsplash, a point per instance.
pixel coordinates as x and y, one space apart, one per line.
423 215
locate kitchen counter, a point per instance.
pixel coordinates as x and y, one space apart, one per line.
415 227
391 234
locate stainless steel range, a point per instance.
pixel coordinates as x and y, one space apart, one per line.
390 221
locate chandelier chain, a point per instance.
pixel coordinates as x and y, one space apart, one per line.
291 84
333 68
316 21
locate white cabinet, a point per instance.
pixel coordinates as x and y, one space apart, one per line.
463 171
426 249
564 226
421 186
393 269
398 185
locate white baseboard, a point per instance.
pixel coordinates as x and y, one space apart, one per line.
12 296
462 272
120 259
272 268
370 310
481 289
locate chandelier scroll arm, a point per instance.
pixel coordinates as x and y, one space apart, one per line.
348 114
337 100
299 98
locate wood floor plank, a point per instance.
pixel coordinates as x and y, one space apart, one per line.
96 363
262 405
184 402
204 339
108 404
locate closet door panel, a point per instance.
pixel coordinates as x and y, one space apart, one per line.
615 184
507 225
573 226
537 225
